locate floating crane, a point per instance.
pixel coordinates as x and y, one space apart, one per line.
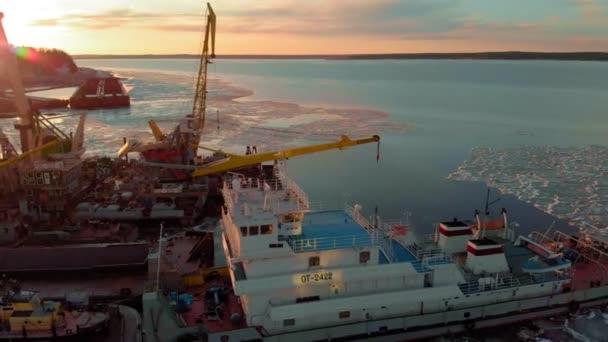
180 147
177 151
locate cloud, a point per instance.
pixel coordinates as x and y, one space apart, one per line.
338 17
590 9
116 18
46 22
370 21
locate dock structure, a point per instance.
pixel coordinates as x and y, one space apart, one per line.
98 92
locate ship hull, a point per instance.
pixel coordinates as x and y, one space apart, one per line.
82 335
408 328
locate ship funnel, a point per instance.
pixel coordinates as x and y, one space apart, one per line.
486 256
454 235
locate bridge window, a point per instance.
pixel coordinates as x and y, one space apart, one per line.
244 231
364 257
344 314
307 299
266 229
254 230
289 322
314 261
275 245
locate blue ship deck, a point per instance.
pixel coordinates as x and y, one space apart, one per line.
401 254
325 230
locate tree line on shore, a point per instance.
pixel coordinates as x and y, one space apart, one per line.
44 61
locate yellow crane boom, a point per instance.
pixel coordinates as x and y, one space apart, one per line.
200 95
158 133
236 161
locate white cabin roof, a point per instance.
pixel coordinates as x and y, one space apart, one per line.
253 201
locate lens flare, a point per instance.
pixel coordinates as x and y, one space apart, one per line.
26 53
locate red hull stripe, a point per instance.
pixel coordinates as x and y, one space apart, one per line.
446 232
489 251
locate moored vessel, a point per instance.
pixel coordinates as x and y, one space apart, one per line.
27 317
299 273
100 92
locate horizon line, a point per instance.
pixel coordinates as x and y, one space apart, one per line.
345 54
488 55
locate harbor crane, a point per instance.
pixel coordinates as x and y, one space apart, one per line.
36 132
40 138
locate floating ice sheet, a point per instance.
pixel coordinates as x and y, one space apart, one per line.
570 183
167 97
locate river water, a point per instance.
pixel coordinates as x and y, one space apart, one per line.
430 115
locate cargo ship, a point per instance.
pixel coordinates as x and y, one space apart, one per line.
290 272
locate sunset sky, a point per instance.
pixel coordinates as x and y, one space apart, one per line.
309 26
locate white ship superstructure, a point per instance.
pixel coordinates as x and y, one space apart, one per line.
301 274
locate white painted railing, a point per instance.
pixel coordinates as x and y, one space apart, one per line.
498 281
438 260
385 243
359 219
293 189
334 242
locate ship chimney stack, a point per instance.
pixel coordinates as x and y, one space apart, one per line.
453 236
486 256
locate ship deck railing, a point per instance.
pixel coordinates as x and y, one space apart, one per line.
291 186
420 245
360 219
280 183
503 280
299 245
286 189
425 251
439 259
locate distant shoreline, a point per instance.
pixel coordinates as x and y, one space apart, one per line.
507 55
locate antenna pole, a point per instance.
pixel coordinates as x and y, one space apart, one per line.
160 243
487 212
488 203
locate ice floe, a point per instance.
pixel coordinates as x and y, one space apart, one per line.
168 96
570 183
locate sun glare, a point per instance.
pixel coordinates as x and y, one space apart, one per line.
18 24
